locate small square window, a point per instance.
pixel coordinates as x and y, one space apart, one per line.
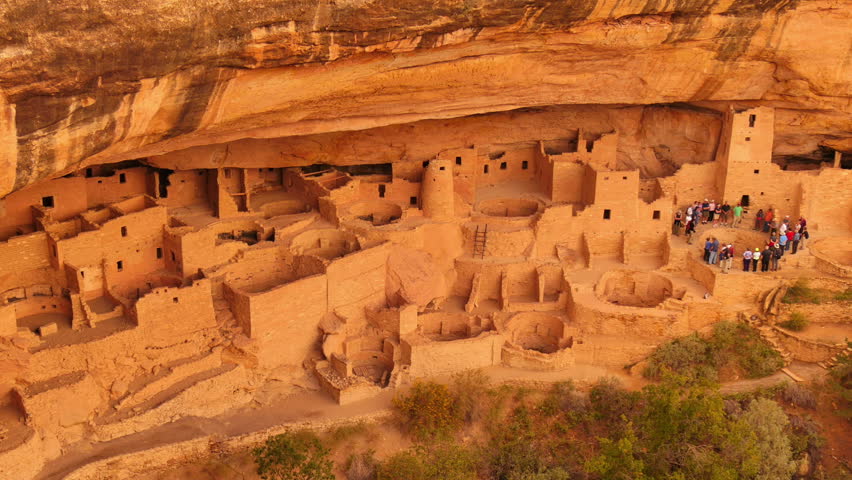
119 265
47 202
426 164
159 252
442 168
90 173
503 165
382 189
175 299
485 169
656 215
748 139
458 160
756 172
123 231
525 165
607 214
122 178
606 178
412 201
624 178
761 193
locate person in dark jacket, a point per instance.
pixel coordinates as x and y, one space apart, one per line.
765 258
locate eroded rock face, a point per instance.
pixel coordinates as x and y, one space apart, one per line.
97 81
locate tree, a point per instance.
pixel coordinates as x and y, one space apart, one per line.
618 460
293 456
769 423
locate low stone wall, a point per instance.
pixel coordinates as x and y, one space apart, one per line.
808 350
430 358
131 465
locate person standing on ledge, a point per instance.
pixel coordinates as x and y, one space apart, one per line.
738 216
690 230
747 254
758 220
765 257
678 222
797 237
708 244
755 259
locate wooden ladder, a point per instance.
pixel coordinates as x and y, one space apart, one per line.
480 238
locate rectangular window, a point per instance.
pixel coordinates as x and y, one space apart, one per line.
412 201
503 165
756 172
82 274
175 299
748 139
607 214
47 202
624 178
159 252
656 215
751 119
442 168
458 160
485 169
122 178
90 173
382 191
525 165
119 265
123 231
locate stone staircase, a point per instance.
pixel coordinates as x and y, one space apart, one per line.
832 362
769 334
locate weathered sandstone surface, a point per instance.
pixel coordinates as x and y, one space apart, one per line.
100 81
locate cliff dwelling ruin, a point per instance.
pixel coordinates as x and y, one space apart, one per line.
140 287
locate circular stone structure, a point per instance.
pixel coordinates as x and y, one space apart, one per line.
376 212
633 288
540 332
508 207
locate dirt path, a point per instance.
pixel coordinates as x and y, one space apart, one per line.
316 406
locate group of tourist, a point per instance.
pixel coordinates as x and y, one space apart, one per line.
784 235
706 212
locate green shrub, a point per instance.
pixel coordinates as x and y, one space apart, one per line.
443 461
428 411
801 292
796 323
699 359
293 456
844 296
689 356
769 422
610 402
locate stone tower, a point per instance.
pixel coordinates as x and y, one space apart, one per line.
438 189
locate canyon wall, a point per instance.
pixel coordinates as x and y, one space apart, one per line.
101 81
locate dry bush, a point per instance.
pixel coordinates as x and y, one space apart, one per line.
799 396
361 467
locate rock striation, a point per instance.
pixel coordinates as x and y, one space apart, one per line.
97 81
